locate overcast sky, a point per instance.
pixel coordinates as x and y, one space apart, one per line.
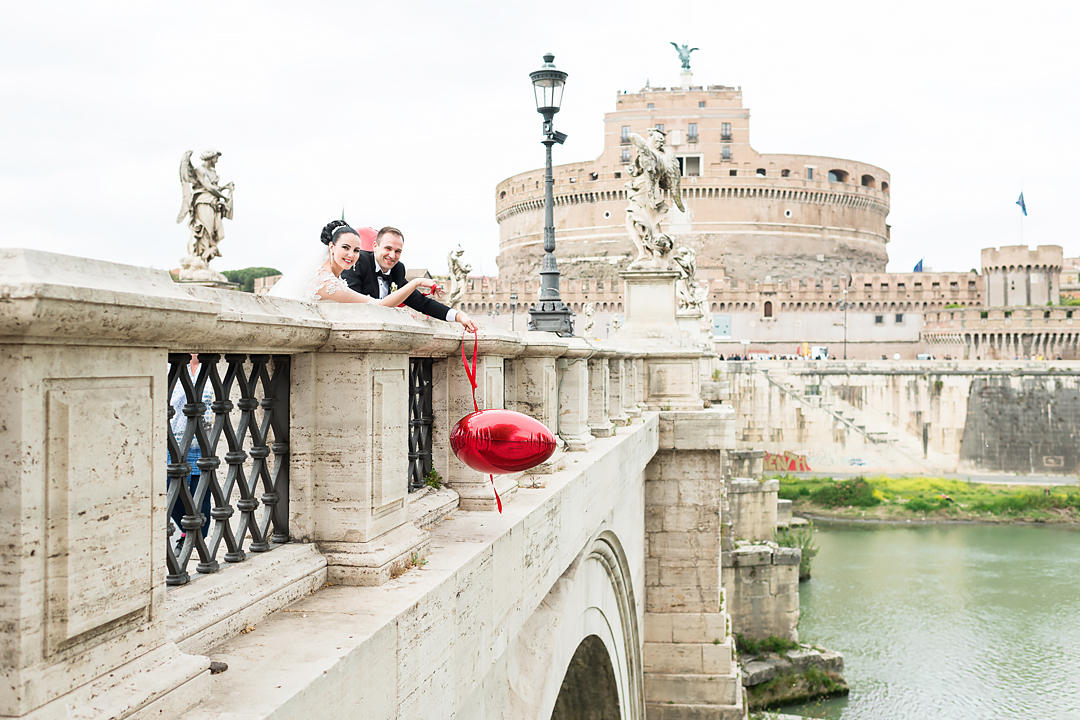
409 113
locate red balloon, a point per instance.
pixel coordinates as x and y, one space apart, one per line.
501 441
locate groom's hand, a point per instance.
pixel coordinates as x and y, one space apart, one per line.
466 321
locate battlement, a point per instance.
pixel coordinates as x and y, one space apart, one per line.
1015 257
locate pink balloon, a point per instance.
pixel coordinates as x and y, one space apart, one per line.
501 441
367 238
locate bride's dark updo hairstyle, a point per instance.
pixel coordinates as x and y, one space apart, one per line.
335 229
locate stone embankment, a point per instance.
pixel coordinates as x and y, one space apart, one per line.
795 675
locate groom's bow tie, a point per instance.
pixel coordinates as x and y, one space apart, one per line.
384 276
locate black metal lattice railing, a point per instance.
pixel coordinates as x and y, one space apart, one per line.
237 411
421 418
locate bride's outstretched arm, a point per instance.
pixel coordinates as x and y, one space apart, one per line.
398 296
339 292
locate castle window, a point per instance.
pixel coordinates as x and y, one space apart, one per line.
701 103
626 155
837 176
502 194
690 165
809 173
879 319
618 175
725 131
954 285
599 285
900 286
785 173
884 186
660 127
918 286
885 286
625 137
691 132
768 308
725 152
1046 313
868 286
651 106
971 284
899 318
733 173
868 181
594 176
760 172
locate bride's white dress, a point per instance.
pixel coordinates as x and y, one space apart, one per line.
305 282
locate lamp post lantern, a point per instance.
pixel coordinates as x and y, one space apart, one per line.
550 313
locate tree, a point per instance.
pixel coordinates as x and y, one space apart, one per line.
246 276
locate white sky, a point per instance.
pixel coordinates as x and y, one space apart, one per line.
409 113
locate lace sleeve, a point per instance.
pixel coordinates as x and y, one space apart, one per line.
326 285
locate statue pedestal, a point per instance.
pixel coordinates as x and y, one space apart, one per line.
649 300
671 357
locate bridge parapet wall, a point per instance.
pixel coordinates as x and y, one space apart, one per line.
445 597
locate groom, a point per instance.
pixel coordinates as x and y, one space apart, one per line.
375 271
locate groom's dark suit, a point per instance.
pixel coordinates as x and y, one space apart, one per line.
361 278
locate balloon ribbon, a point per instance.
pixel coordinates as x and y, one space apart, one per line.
471 373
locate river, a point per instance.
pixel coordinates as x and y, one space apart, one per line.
947 622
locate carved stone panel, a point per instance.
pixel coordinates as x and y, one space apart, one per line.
389 423
98 499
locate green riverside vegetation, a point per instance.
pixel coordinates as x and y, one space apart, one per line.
906 497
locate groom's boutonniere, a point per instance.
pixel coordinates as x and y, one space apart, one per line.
393 287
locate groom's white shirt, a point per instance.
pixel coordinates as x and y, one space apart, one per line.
384 288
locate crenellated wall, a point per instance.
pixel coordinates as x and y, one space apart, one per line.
933 416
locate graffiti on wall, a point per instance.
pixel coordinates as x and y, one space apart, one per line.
788 461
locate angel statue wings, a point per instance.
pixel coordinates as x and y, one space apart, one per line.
654 170
205 204
684 54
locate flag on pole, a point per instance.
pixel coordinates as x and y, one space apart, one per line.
1023 206
918 266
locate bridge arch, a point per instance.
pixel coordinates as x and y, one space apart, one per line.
584 640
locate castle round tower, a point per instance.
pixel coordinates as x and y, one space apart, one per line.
749 215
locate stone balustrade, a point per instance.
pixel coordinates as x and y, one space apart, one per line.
90 352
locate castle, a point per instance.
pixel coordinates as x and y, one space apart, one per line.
791 247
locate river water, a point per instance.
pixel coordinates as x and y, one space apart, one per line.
947 622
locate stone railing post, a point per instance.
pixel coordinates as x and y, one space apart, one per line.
617 389
631 384
671 379
600 424
532 386
453 401
688 646
83 363
573 380
350 444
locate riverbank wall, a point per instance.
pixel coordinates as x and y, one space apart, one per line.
1017 418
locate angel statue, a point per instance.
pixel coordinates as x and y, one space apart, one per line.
206 202
590 319
459 273
684 54
654 170
690 294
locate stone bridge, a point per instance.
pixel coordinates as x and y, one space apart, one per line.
326 572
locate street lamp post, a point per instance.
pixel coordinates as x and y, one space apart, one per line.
513 309
550 313
844 303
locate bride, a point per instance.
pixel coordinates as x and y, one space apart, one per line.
319 279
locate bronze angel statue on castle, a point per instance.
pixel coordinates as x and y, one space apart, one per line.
654 170
205 204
